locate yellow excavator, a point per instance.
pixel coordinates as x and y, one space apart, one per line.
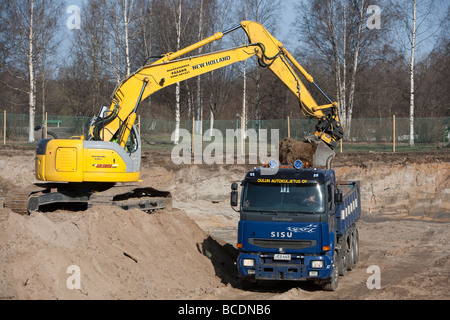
92 170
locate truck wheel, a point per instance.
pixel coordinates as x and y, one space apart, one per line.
356 247
351 252
341 260
332 284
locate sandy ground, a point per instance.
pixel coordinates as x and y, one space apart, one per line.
188 252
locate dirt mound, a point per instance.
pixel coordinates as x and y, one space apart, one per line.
121 255
291 150
414 190
166 255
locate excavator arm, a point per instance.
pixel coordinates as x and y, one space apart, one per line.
282 64
115 123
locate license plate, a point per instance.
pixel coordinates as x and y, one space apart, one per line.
285 257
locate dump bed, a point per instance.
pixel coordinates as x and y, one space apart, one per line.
350 209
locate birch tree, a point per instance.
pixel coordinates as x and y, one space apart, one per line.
31 75
177 86
244 81
219 82
120 32
198 107
90 57
174 19
29 21
411 78
336 32
49 40
418 24
265 12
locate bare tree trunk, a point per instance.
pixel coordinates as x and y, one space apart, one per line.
211 115
355 67
244 98
177 88
244 88
32 80
146 38
257 100
126 22
344 56
44 124
411 78
189 99
198 109
343 84
340 90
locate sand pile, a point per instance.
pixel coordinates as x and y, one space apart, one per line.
121 255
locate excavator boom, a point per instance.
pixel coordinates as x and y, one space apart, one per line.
163 74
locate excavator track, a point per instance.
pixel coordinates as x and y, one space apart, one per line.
52 196
17 199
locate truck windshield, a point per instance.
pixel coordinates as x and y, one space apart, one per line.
300 198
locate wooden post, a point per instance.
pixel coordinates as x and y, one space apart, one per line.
4 127
341 144
289 127
393 132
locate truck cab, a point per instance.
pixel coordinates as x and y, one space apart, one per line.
296 223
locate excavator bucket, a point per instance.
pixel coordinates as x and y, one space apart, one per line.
323 156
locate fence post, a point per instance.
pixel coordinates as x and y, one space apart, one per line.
289 127
4 126
393 132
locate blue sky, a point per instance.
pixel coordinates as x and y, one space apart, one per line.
287 16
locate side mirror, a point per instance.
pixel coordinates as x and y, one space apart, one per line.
37 128
337 196
234 195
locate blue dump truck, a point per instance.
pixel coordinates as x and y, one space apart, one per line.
296 223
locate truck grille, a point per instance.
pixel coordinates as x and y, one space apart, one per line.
286 244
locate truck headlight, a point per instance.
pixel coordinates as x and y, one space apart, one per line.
318 264
248 262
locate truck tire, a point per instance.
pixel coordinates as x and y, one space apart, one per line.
356 234
341 256
332 284
350 259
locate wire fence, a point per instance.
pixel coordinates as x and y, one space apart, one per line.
371 131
